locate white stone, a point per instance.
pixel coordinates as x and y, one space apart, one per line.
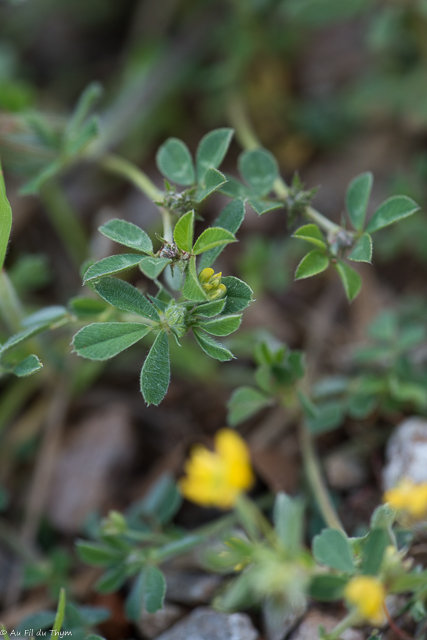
406 453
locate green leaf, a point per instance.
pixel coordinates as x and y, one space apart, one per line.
27 367
112 579
394 209
327 588
329 416
153 267
213 180
127 234
104 340
176 548
313 263
49 318
230 219
362 251
134 601
210 346
357 198
154 589
244 403
155 373
222 326
332 548
85 103
5 219
311 233
174 161
212 238
264 206
183 232
112 264
351 280
86 307
259 169
124 296
192 289
87 133
288 522
373 551
233 188
210 309
97 555
239 295
60 612
211 150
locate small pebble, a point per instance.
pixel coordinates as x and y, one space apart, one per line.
406 453
205 623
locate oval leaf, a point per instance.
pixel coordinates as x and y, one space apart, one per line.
211 150
104 340
313 263
357 198
210 346
127 234
362 251
394 209
27 367
212 181
154 589
332 548
192 289
259 169
222 326
311 233
230 219
153 267
124 296
174 161
239 295
244 403
351 280
112 264
155 373
183 232
211 238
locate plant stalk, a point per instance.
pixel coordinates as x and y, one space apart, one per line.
350 619
316 481
120 166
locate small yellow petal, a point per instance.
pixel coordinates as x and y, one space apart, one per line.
409 498
367 595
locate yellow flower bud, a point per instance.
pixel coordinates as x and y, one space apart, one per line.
367 595
211 283
216 478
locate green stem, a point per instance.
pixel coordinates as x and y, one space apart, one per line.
248 139
10 306
120 166
65 221
350 620
316 481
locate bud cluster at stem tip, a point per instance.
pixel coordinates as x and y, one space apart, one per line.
211 284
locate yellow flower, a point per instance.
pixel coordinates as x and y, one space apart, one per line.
216 478
367 595
211 283
409 497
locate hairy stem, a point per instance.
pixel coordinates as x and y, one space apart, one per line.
351 619
120 166
249 140
316 481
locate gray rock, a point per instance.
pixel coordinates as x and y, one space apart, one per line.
206 624
152 624
406 453
308 629
191 587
